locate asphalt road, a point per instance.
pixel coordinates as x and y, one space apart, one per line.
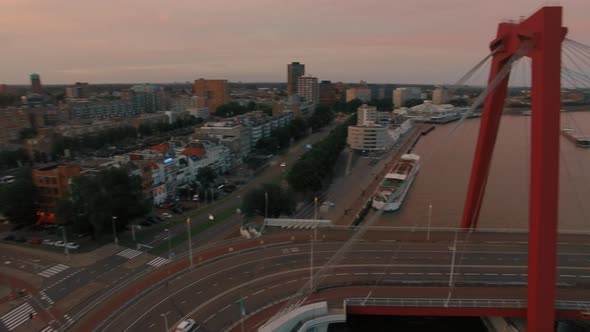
212 293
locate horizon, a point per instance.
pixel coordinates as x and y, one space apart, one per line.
425 42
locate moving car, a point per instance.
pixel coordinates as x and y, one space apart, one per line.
48 242
185 325
72 245
59 244
166 215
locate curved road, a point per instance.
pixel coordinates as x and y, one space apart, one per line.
211 293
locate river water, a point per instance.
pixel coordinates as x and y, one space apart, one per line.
447 154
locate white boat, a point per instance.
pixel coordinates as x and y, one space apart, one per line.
390 194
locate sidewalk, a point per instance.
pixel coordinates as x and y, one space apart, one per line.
78 260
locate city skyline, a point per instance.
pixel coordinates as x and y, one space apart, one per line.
391 41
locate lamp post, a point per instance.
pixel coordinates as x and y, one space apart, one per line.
169 243
63 232
114 219
429 221
190 245
454 249
165 320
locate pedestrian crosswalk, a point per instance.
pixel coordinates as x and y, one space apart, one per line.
17 316
46 298
129 253
53 270
158 261
49 329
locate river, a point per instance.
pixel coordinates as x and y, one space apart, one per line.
447 154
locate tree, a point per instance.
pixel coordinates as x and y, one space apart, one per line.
18 199
12 159
298 127
206 175
413 102
231 109
26 133
92 201
322 116
280 201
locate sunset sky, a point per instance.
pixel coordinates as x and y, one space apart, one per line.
380 41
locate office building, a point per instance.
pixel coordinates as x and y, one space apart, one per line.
146 98
362 93
211 93
402 95
36 86
78 90
308 88
329 94
294 71
441 95
12 121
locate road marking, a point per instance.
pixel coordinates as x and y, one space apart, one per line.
508 274
129 253
490 274
378 273
152 325
53 270
260 291
46 297
158 261
415 273
227 306
567 275
434 273
341 274
396 273
48 329
290 281
361 274
206 320
17 316
471 274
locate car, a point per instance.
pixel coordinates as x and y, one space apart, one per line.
166 215
72 245
48 242
283 164
185 325
328 203
35 241
177 210
151 220
195 197
158 218
59 244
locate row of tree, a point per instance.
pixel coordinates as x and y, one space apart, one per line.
94 141
150 129
18 200
297 129
281 201
13 159
314 166
233 109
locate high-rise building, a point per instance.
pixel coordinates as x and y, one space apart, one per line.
366 115
36 83
309 89
294 71
400 95
146 98
362 93
211 93
440 96
329 94
78 90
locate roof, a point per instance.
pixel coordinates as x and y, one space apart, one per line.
193 152
161 148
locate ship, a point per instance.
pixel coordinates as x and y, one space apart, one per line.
390 194
578 139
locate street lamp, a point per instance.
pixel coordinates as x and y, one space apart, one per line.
190 245
114 219
429 220
63 232
169 243
165 320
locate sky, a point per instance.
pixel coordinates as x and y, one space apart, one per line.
380 41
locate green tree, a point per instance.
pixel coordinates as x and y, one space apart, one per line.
18 199
12 159
413 102
298 127
26 133
206 175
92 201
280 201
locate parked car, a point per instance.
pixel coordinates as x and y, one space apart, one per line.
166 215
185 325
158 218
177 209
10 238
59 244
72 245
328 203
35 241
48 242
21 239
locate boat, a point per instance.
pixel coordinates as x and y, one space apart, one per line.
527 113
390 194
578 139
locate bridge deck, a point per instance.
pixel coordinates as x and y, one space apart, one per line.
458 307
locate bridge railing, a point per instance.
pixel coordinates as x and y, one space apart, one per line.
458 303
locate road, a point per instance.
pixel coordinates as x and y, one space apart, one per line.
211 293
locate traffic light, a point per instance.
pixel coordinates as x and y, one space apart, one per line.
32 315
